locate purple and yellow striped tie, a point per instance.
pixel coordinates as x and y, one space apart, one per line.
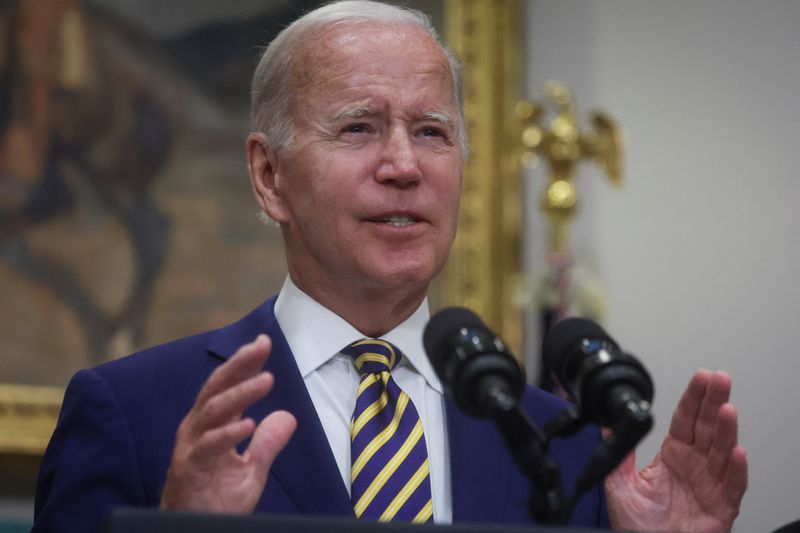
390 473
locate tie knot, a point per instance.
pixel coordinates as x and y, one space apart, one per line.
373 356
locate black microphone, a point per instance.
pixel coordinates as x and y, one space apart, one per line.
606 383
473 363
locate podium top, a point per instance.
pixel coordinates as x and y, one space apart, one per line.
136 520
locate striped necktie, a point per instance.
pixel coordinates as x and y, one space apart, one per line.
390 473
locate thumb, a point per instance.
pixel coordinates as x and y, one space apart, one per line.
627 468
269 438
622 477
620 489
625 473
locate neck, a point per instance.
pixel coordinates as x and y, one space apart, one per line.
373 312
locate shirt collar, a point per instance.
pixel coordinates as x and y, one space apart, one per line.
315 334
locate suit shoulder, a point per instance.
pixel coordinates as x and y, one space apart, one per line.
184 352
192 353
188 359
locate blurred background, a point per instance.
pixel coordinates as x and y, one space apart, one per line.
697 253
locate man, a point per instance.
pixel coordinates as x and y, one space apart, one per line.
357 153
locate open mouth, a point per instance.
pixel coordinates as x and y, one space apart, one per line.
398 221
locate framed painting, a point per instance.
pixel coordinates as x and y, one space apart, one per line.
126 217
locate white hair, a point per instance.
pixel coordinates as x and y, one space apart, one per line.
270 108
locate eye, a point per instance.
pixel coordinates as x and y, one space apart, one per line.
356 128
436 134
430 131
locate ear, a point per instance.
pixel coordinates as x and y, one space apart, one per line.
262 163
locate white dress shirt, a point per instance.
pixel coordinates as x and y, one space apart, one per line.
316 335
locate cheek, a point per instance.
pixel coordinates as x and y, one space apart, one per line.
306 185
450 199
447 184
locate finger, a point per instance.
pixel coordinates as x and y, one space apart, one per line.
735 481
717 393
212 444
245 363
725 439
685 415
270 437
231 403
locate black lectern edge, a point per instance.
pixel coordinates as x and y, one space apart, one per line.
151 520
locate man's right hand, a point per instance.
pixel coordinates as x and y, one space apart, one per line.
206 472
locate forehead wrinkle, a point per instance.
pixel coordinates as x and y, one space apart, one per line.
321 60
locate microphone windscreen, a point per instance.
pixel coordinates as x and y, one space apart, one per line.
444 323
567 333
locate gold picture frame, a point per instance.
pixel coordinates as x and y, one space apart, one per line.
484 269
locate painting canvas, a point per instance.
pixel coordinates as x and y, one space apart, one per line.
127 217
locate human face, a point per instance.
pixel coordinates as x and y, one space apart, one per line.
367 192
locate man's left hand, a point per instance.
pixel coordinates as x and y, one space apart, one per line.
697 480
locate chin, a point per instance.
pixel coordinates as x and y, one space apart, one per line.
404 270
412 278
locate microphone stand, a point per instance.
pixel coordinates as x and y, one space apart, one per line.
528 445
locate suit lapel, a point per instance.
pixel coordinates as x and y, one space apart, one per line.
306 468
479 468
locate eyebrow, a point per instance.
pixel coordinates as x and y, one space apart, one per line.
363 111
355 112
441 116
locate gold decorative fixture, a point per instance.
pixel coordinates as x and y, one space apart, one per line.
562 144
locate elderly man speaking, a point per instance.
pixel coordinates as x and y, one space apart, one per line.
321 400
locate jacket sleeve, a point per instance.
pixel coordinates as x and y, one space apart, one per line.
91 464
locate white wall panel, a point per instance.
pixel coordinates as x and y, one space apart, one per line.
700 251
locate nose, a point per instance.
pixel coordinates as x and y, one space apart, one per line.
399 163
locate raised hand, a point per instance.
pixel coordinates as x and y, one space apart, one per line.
206 472
697 480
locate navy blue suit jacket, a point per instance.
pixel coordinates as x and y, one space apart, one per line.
116 431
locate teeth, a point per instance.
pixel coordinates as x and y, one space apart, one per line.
398 221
